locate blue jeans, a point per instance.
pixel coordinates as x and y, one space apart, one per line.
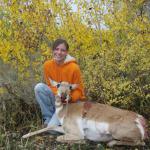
46 100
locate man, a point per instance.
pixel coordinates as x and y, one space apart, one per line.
62 67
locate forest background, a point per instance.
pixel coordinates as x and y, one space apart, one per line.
110 40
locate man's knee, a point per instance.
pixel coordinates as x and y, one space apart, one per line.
39 87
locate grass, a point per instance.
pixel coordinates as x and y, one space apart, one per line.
11 140
17 119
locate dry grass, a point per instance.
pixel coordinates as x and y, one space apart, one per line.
17 120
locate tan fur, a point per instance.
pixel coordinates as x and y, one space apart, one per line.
122 125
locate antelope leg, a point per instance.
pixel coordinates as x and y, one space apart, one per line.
69 138
54 128
130 143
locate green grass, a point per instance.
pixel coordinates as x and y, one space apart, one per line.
17 119
13 141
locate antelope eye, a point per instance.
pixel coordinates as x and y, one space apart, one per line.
58 85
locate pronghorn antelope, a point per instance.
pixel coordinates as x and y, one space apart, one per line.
98 122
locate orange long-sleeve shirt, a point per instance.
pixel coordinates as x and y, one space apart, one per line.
69 71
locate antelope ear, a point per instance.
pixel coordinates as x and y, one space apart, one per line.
53 83
73 86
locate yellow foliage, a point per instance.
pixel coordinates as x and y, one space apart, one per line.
110 41
2 90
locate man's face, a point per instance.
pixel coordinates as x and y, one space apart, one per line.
60 53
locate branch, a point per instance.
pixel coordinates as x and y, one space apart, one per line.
10 90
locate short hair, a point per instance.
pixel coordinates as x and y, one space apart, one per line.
58 42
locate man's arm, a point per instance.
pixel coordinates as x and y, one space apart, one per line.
47 76
78 93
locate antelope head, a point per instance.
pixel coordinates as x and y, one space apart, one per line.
64 89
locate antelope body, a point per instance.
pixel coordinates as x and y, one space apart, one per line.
95 121
98 122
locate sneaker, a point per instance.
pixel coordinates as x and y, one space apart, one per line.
55 133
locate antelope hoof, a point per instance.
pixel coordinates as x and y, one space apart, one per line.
61 139
111 143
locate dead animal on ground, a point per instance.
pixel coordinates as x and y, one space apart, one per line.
97 122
